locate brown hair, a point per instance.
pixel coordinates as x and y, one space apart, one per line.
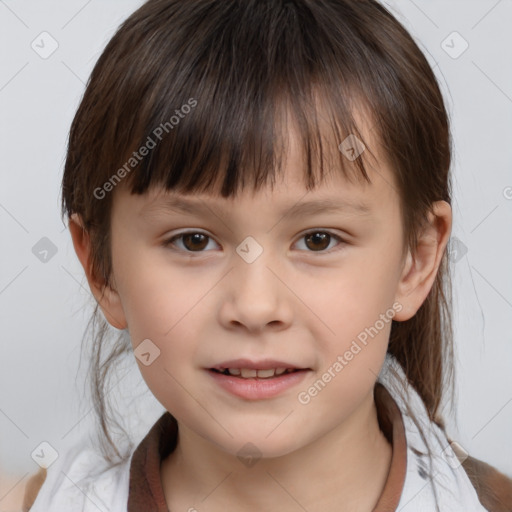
245 63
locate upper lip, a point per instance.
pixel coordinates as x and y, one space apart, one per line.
264 364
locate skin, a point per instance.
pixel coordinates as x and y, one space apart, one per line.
293 303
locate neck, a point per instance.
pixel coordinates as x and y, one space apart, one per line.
345 470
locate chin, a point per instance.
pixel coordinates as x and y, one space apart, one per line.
251 448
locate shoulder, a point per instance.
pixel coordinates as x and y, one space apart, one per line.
32 488
80 477
494 489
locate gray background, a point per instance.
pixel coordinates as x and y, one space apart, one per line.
44 305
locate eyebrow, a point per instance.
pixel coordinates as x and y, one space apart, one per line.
330 205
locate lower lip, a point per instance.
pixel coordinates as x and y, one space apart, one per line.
258 389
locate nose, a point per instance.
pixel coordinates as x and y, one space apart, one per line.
256 297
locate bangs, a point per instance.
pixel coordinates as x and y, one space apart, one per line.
215 113
231 145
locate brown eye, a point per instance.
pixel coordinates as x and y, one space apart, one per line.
193 241
319 241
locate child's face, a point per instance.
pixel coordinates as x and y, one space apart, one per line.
323 305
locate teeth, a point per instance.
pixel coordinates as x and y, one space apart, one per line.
265 374
247 373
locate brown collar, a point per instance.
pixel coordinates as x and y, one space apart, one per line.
392 425
146 491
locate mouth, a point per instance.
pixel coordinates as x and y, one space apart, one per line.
251 373
248 368
257 383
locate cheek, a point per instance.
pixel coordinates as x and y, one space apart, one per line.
350 299
159 306
156 296
159 310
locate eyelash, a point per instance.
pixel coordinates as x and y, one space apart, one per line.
170 241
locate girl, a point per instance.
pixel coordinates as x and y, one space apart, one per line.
294 377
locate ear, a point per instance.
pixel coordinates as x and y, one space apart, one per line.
105 295
420 270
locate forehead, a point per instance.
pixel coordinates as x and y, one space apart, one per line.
288 198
